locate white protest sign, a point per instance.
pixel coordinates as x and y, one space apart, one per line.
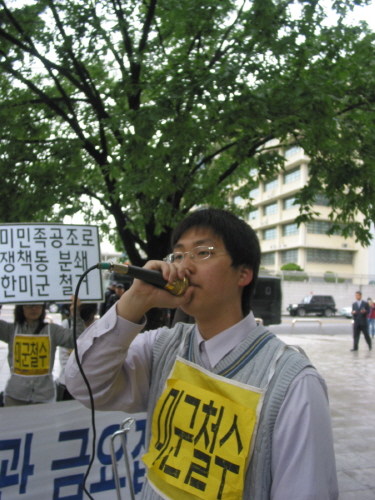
43 262
45 451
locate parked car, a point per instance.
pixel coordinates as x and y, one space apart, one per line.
53 307
321 305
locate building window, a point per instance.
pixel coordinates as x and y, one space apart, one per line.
289 229
271 184
254 192
329 256
292 150
254 214
288 256
289 203
269 234
268 259
321 200
270 209
322 227
292 175
318 226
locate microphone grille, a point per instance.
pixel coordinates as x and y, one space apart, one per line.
178 287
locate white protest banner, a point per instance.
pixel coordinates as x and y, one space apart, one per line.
45 451
43 262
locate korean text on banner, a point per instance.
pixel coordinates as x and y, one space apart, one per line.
201 435
43 262
45 451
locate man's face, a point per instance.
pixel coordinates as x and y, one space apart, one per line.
217 285
358 296
119 290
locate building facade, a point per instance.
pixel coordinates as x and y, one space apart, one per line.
308 245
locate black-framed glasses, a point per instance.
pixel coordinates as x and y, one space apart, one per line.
202 252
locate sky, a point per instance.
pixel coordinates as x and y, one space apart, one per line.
366 13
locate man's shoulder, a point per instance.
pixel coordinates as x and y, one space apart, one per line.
170 335
286 353
291 354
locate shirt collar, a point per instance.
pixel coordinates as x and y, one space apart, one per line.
220 345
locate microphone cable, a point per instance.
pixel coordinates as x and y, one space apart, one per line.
93 425
153 277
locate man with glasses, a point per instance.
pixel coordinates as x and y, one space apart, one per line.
232 411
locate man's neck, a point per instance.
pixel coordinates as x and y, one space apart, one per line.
212 326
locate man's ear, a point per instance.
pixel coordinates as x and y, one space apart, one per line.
246 276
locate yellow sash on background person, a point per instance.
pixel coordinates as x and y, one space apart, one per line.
202 430
31 355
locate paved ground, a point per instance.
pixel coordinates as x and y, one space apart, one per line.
350 377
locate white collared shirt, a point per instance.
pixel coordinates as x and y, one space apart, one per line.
213 350
303 463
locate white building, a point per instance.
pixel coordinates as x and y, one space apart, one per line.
282 241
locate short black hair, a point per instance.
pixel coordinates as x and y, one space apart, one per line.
240 240
88 311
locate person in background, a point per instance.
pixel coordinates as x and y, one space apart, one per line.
104 306
87 314
360 311
371 318
32 345
119 291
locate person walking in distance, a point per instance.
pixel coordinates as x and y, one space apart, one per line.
360 311
371 318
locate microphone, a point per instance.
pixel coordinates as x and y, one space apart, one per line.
178 287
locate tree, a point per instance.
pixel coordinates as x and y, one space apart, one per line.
291 266
290 276
331 277
154 108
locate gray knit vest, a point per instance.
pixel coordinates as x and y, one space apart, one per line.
258 476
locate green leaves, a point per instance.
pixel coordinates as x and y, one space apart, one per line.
153 109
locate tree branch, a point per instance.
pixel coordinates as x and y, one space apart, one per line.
90 148
83 190
135 67
88 86
147 25
251 152
210 157
110 45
